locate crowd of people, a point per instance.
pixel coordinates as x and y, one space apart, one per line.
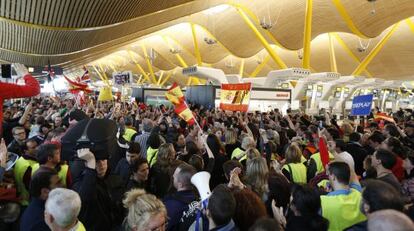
267 170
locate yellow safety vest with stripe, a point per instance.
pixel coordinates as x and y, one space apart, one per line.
297 172
62 174
317 158
152 156
129 132
323 184
303 159
19 170
239 154
342 210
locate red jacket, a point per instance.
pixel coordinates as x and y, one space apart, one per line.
398 169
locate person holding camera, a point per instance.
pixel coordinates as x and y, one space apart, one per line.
100 210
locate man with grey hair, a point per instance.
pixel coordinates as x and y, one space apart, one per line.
62 209
389 220
143 138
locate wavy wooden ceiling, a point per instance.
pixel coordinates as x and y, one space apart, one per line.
72 33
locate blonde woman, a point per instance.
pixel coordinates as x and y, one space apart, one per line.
347 129
145 212
257 174
294 169
251 153
230 138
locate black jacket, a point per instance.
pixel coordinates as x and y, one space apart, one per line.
101 200
15 147
359 154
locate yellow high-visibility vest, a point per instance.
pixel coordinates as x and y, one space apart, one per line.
342 210
298 173
19 170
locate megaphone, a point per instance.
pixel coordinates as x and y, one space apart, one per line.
201 181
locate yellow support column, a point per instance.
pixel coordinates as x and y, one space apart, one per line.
182 62
149 64
348 20
197 50
167 78
139 67
241 71
361 67
100 76
159 79
349 51
307 34
139 79
112 67
104 74
260 67
262 39
334 67
410 24
196 47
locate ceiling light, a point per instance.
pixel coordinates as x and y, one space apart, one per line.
373 11
216 9
210 41
175 51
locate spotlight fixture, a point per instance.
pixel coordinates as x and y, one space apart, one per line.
175 51
363 47
300 54
210 41
265 25
373 11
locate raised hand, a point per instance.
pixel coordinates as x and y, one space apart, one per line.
21 69
278 214
3 154
88 156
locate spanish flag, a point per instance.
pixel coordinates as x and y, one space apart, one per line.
382 116
185 113
235 97
175 95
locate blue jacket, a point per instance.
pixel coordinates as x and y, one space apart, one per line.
176 204
33 217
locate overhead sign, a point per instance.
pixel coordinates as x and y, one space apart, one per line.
361 105
122 78
235 97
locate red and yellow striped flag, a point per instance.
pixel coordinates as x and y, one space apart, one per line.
185 113
175 95
383 116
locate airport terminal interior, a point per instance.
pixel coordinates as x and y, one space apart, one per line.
250 115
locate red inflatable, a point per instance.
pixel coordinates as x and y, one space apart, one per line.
11 91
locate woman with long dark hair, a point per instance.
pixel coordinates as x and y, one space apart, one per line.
219 152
